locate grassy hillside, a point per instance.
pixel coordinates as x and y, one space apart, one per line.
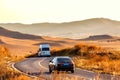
93 58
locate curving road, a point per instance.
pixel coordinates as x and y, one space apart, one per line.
39 66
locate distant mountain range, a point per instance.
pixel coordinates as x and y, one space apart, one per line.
76 29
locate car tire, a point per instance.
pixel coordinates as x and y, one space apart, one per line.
58 70
50 71
72 71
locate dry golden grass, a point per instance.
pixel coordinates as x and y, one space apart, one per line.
93 58
6 72
85 56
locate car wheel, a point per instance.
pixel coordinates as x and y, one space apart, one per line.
72 71
58 71
50 70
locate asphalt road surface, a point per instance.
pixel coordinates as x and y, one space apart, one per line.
38 66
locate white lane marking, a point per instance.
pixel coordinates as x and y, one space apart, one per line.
39 63
12 65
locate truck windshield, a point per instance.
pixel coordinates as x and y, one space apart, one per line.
45 49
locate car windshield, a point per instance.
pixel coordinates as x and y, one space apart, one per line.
45 49
63 60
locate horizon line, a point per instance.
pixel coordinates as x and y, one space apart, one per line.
45 22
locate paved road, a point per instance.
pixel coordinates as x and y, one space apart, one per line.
38 66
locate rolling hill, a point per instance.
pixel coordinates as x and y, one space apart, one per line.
99 37
22 44
17 35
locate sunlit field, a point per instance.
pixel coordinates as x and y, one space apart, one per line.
87 57
93 58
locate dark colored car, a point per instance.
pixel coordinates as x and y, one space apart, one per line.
62 63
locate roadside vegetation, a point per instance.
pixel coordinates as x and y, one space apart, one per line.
88 57
6 71
94 58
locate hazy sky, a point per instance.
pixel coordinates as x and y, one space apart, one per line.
33 11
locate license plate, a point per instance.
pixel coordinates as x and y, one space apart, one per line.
65 64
